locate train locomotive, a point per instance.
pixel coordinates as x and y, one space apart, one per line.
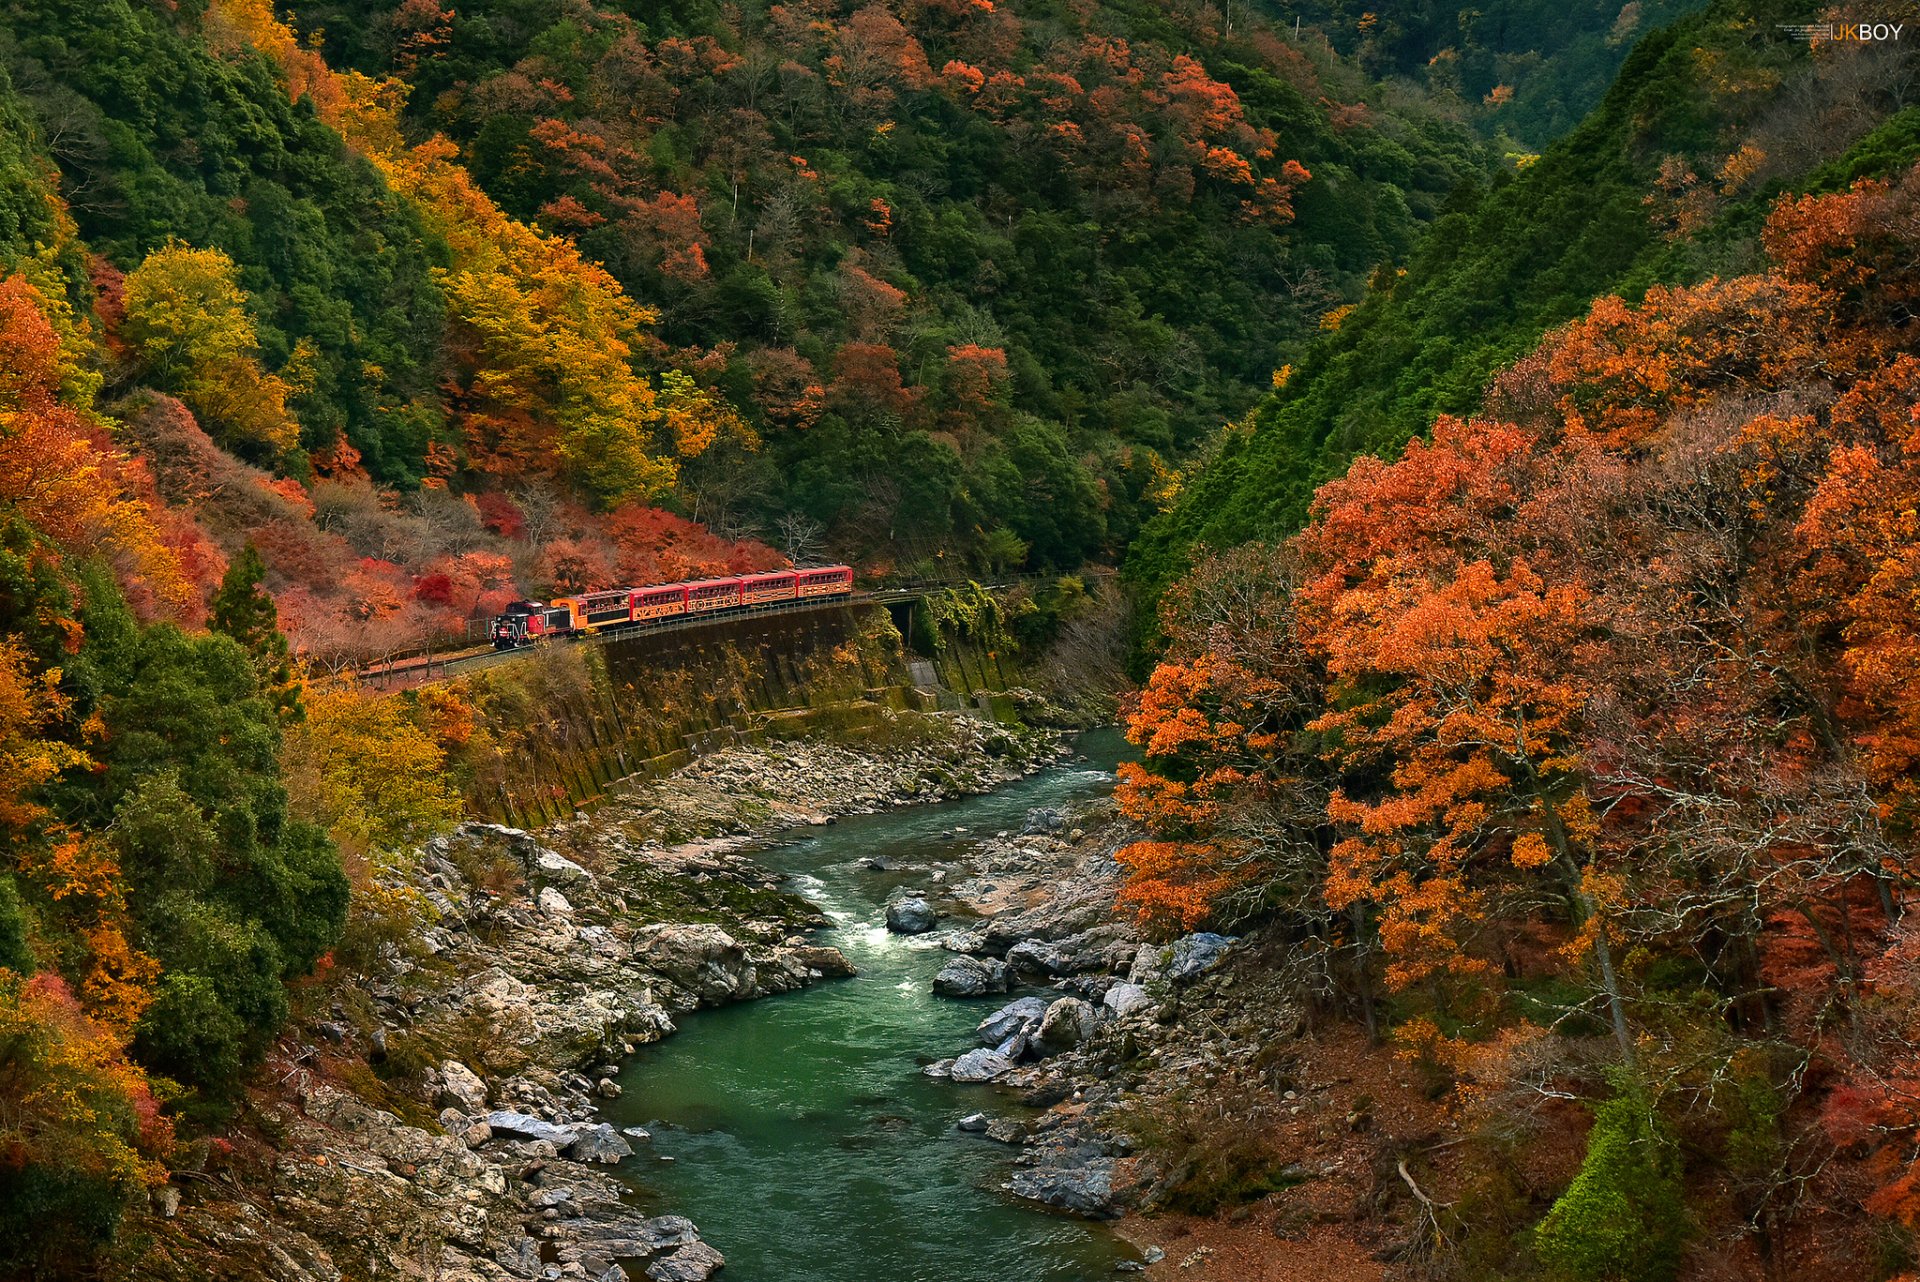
525 622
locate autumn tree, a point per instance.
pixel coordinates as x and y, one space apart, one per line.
188 327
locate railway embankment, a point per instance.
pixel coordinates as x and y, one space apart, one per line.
557 730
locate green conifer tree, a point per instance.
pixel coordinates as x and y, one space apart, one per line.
242 610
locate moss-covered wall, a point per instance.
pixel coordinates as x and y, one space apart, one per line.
553 731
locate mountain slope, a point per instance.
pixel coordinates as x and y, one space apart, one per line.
968 268
1664 182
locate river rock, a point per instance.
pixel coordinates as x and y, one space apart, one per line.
966 976
1068 1022
664 1232
981 1065
461 1088
1042 820
1021 1015
694 1262
1194 955
1037 957
1006 1130
1124 999
820 957
559 869
525 1126
597 1142
910 916
702 959
1071 1175
974 1122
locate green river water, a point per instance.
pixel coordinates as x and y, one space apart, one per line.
805 1141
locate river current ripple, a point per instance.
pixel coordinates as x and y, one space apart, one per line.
798 1131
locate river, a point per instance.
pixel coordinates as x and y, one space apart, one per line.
798 1131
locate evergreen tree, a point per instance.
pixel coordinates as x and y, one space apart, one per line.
242 610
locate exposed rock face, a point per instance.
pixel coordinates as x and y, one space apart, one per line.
910 915
461 1088
1067 1023
703 961
1194 955
965 976
1022 1015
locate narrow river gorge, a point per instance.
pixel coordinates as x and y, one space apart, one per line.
799 1131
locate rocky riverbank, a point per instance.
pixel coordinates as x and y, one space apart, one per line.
437 1118
1176 1078
1035 909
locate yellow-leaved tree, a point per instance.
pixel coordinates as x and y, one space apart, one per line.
187 325
547 340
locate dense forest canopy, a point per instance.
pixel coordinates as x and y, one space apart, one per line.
979 276
1532 535
1665 182
1533 67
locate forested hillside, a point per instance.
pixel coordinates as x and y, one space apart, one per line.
1523 71
1666 182
1538 634
977 276
1565 744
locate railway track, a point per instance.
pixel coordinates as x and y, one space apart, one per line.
436 663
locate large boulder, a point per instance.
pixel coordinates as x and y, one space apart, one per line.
1068 1022
1124 999
981 1065
461 1088
1043 819
525 1126
558 869
702 960
1022 1015
1194 955
1072 1176
910 915
829 961
965 976
1037 957
694 1262
597 1142
1186 958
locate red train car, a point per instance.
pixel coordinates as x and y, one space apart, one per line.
765 589
709 595
829 580
525 622
663 602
